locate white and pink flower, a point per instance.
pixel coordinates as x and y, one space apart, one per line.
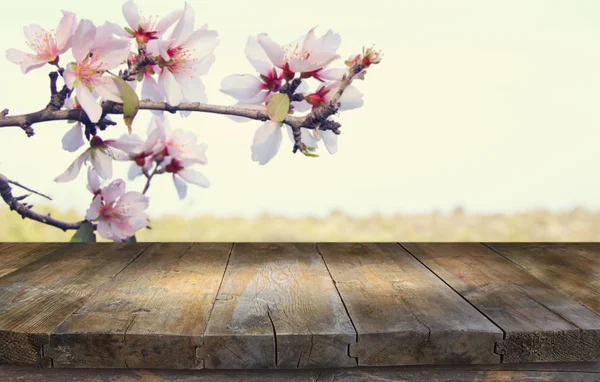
119 214
46 45
144 29
178 143
250 89
101 153
307 55
183 58
95 52
183 174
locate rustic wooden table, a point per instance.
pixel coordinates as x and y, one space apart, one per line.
300 305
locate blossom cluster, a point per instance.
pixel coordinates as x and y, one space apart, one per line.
168 56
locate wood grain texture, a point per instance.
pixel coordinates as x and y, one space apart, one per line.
405 315
152 315
277 307
15 256
540 323
457 373
36 298
572 268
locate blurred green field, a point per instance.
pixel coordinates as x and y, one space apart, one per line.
536 225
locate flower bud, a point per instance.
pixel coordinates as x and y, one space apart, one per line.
314 99
371 57
352 60
96 142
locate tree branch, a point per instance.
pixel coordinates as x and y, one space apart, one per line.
25 210
314 120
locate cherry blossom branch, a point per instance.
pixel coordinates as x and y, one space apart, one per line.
51 112
313 120
28 189
26 211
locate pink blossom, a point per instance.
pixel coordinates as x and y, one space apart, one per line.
119 214
307 55
184 57
178 143
145 153
182 173
101 153
144 29
46 45
95 51
252 89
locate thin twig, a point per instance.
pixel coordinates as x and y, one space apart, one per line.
25 210
28 189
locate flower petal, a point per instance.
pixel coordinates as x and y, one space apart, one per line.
113 191
272 49
180 185
330 140
184 26
350 99
134 171
194 177
93 212
200 68
258 57
108 89
65 30
131 14
332 74
192 88
130 144
73 170
168 83
267 140
94 181
202 42
241 86
73 139
83 39
102 163
105 230
167 21
88 102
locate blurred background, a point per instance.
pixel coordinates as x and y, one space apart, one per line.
481 123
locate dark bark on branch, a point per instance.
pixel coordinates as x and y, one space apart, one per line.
318 119
25 210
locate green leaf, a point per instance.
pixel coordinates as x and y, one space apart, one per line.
131 102
140 76
85 234
132 239
311 155
278 107
71 121
130 31
309 148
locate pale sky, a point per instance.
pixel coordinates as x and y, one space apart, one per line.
493 106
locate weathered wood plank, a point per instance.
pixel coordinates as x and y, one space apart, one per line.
541 324
15 256
459 373
405 315
152 315
277 307
573 268
36 298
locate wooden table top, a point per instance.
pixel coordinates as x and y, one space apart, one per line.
297 305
